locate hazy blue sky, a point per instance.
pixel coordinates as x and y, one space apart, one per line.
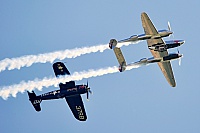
137 101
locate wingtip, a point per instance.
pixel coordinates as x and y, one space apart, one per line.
143 16
81 119
173 84
143 13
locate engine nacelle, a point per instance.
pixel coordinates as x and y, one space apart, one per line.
164 33
144 37
133 37
171 57
143 60
156 37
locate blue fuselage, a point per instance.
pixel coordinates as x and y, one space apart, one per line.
78 89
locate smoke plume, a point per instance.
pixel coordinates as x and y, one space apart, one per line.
28 60
39 84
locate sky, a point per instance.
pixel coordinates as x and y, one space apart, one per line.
139 100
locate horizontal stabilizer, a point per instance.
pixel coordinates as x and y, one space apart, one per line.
60 69
35 100
120 58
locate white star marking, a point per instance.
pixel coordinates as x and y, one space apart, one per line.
54 92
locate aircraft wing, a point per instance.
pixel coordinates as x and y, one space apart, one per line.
165 67
76 105
119 55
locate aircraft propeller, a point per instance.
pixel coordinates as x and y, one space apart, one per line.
88 91
179 62
169 26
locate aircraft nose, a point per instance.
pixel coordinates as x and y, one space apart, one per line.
180 55
182 41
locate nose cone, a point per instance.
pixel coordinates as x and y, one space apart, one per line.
182 41
180 55
170 32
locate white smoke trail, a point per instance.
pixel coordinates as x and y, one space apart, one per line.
28 60
6 91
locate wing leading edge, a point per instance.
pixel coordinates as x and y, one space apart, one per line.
165 67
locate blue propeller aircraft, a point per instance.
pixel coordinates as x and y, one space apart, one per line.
68 90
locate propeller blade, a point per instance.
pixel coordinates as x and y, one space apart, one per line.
179 61
90 91
171 35
178 51
169 26
87 95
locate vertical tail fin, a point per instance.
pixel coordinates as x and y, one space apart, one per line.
113 43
